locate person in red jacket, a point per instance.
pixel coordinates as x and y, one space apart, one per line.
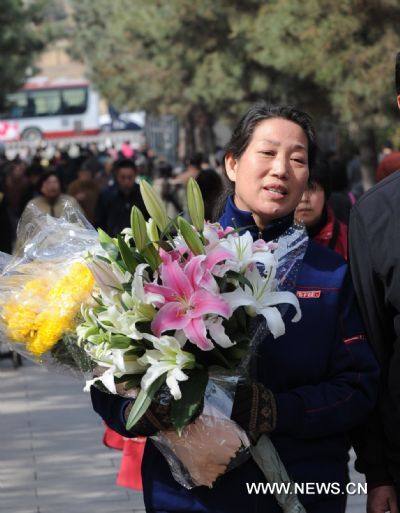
317 215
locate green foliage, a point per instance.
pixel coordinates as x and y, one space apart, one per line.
206 60
143 402
20 40
345 48
193 390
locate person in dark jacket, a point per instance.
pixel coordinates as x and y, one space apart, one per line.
115 202
318 217
312 384
374 252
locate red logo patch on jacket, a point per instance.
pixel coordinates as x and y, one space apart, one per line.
308 294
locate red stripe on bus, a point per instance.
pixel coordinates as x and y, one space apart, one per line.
70 133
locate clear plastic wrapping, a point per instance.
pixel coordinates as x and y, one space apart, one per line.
210 445
42 287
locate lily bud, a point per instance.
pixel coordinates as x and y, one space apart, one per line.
154 204
104 275
195 204
138 225
191 237
152 230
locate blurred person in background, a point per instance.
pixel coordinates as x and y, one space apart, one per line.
7 230
85 189
146 160
34 172
389 163
51 200
211 187
354 177
16 184
115 202
320 221
193 167
126 151
341 198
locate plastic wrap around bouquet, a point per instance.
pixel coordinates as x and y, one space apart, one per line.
167 309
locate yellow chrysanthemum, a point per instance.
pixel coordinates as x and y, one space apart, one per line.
43 314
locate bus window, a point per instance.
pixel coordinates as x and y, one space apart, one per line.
16 106
43 103
74 100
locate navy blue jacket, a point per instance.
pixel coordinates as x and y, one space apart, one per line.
324 378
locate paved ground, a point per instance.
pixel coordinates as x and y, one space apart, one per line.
51 456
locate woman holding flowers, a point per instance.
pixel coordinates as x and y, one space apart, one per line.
313 384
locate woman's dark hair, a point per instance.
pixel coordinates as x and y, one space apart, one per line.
261 111
45 176
397 73
244 130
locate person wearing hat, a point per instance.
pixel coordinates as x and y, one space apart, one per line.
317 215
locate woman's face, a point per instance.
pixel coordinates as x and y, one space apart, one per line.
51 188
271 175
311 205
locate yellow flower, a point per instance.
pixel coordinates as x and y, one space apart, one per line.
41 314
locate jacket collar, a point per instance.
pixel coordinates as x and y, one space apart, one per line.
243 219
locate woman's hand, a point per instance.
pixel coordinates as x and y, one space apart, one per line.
207 445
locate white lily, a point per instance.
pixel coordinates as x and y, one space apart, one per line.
262 299
166 357
120 314
138 291
245 251
116 361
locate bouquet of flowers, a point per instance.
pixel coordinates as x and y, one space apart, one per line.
165 310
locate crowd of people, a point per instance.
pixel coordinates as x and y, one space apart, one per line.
332 379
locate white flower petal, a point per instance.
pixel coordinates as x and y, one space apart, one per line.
217 333
274 321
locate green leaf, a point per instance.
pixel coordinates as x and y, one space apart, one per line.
151 256
143 401
127 255
183 410
241 279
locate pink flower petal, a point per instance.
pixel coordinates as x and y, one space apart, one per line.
174 278
203 302
217 255
196 333
194 270
166 292
170 316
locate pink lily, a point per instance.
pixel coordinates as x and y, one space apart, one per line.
186 302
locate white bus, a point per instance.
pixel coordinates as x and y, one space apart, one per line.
44 109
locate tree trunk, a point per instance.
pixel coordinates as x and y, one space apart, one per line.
368 158
189 144
205 137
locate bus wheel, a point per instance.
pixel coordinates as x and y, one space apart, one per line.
31 135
